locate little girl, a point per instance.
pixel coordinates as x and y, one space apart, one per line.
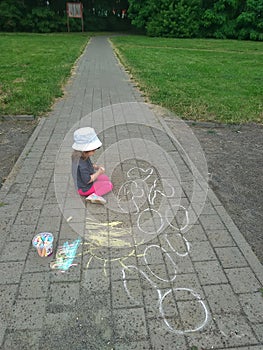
89 179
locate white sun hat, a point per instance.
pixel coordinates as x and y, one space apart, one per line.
85 139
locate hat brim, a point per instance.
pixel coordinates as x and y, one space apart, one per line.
87 146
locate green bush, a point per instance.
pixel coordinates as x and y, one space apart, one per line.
180 20
222 19
11 15
43 20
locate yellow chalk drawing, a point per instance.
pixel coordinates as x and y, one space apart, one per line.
108 234
101 235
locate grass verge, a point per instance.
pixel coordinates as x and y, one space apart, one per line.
33 69
199 79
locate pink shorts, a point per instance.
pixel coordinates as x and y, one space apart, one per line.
101 186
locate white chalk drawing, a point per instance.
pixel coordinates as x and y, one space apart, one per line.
100 233
153 192
130 187
138 190
199 300
168 256
152 229
182 228
161 297
121 237
187 245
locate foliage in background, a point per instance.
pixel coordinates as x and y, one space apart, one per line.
45 16
33 69
200 79
234 19
239 19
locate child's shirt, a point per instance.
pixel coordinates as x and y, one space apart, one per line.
85 169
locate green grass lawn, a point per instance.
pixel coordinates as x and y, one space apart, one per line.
33 69
200 79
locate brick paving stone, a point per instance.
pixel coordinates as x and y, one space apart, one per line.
231 257
64 293
56 319
32 203
130 324
74 273
48 224
222 299
151 302
32 193
34 285
8 295
10 272
195 233
252 305
189 281
236 330
202 251
15 251
22 232
211 222
183 264
50 210
121 298
162 338
210 272
220 238
28 314
22 340
35 263
95 280
243 280
258 329
27 217
209 338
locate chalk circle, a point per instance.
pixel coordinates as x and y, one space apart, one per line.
171 215
202 308
168 259
152 225
116 149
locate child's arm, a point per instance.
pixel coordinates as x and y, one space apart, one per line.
96 166
94 176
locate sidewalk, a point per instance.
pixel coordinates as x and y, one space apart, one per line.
161 266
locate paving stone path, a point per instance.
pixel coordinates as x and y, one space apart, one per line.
160 266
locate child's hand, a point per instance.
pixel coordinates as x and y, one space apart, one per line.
101 170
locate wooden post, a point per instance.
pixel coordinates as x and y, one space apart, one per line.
68 23
75 10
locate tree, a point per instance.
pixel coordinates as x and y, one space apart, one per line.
250 21
178 18
204 18
11 14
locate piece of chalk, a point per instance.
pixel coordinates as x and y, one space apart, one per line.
69 218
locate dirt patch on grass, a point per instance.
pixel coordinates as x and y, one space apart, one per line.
13 138
234 159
